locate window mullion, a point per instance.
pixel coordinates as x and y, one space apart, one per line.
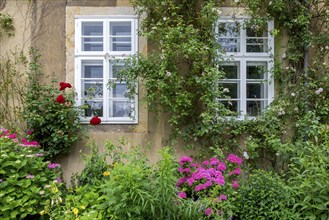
243 84
243 39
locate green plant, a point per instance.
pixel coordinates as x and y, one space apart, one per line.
6 25
263 195
25 179
50 113
309 177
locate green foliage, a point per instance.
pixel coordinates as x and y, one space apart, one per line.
54 124
263 195
6 25
181 74
309 177
25 180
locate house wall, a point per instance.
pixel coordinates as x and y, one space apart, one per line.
48 25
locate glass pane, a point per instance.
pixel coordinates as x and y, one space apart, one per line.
121 109
95 41
119 91
92 69
93 108
232 71
120 28
92 28
256 91
255 107
257 70
120 39
92 89
232 89
257 40
229 36
231 105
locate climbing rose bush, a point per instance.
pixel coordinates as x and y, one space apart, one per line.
208 182
27 182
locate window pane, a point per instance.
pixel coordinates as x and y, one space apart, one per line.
120 36
231 105
232 70
92 89
229 36
257 40
119 91
257 70
93 108
233 89
256 90
92 69
255 107
92 36
121 109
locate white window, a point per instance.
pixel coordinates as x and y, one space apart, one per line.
102 44
248 61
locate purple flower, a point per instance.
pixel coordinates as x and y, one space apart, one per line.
28 132
12 136
208 211
180 181
235 184
214 161
24 140
221 166
39 155
29 176
205 163
234 159
185 159
222 197
194 165
190 181
1 180
182 195
237 171
184 170
59 180
53 165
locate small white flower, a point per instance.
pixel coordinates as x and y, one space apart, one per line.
168 73
319 91
164 18
284 56
245 155
270 3
293 94
327 47
277 154
281 112
236 1
287 67
42 192
296 109
226 90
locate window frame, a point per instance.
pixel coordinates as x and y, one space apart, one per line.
105 56
243 57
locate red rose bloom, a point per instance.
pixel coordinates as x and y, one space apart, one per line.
60 99
64 85
95 120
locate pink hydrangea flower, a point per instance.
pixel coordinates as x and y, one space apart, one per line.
205 163
12 136
185 159
221 166
180 181
190 181
222 197
214 161
182 195
234 159
208 211
235 184
237 171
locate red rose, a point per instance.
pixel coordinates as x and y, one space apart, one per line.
60 99
64 85
95 120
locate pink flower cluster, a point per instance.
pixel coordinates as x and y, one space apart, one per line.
53 165
234 159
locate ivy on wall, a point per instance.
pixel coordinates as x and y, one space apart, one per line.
6 25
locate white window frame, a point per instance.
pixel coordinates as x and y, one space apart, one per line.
242 58
105 56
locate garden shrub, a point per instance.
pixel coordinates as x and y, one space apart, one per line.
309 177
27 183
209 184
263 195
50 112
